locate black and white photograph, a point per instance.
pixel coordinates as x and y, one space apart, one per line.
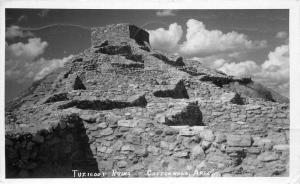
146 93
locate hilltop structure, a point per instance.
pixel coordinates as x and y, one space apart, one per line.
122 106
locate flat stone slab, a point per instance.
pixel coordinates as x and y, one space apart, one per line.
189 131
128 123
252 107
239 140
281 147
268 156
180 127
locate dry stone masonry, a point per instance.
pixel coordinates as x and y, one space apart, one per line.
121 108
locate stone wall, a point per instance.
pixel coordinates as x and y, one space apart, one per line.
260 116
117 34
135 146
50 152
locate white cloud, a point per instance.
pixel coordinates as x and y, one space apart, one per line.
17 55
282 35
200 42
22 62
245 68
218 63
203 42
273 73
32 71
166 40
47 66
15 31
277 60
165 13
275 70
25 51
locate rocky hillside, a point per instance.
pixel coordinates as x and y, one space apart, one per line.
121 108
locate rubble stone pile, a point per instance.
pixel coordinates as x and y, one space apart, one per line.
121 108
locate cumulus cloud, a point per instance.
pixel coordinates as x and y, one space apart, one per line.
165 13
282 35
25 51
201 42
35 70
15 31
218 63
166 40
278 59
274 72
246 68
47 66
23 62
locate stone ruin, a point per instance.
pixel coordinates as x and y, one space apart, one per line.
118 34
122 106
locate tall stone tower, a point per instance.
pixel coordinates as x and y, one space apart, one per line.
118 33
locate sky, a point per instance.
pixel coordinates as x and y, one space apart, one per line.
251 43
